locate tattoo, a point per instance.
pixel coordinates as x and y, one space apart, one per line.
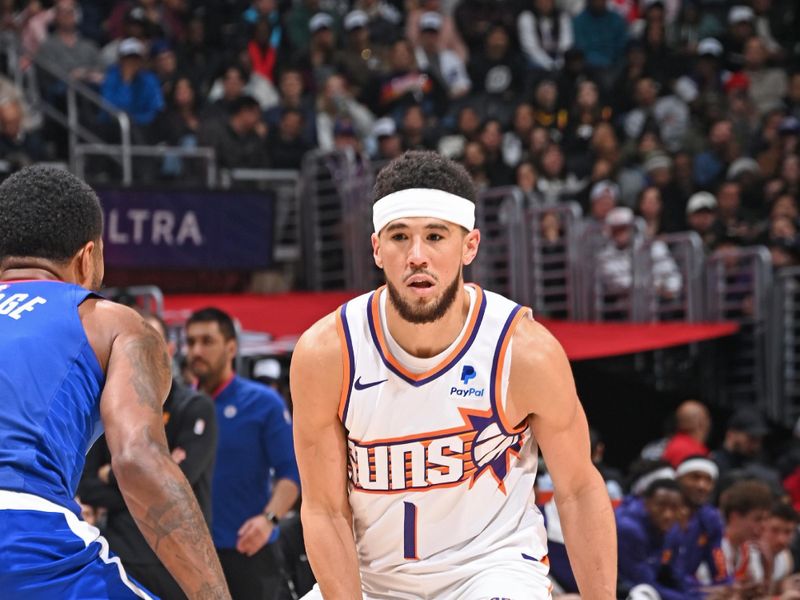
150 364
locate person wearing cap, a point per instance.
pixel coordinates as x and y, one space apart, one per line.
387 143
741 450
603 197
701 217
360 61
647 551
701 561
444 65
615 260
693 425
393 505
740 29
131 87
317 59
449 35
745 506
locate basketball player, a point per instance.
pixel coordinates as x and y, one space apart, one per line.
72 364
419 409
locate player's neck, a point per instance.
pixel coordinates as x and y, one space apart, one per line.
429 339
212 386
27 273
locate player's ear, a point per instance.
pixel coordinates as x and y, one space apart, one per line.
376 245
470 249
86 261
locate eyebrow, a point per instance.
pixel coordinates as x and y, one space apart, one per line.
401 225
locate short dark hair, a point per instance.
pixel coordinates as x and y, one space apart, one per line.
744 497
47 212
244 102
424 169
212 314
784 512
661 484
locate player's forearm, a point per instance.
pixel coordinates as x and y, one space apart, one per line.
589 529
166 511
331 550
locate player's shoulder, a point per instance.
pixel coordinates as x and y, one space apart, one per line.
319 342
534 345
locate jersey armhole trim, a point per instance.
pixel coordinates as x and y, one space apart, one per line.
496 390
348 362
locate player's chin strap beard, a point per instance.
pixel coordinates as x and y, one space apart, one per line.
427 314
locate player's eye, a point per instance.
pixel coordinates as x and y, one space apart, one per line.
399 237
434 237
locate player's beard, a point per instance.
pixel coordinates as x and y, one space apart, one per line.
420 313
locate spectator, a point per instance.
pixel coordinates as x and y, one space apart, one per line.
603 197
745 506
792 100
491 137
384 21
191 431
693 424
701 216
318 60
776 540
701 561
545 34
226 91
468 125
556 182
601 34
768 86
18 147
730 215
336 102
165 65
178 125
615 260
132 88
197 56
255 480
293 97
642 528
741 451
740 29
297 21
263 48
546 110
443 65
238 140
359 62
286 145
388 144
669 113
449 36
135 24
514 141
414 132
711 164
66 50
474 160
650 208
497 73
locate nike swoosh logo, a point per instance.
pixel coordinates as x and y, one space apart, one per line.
363 386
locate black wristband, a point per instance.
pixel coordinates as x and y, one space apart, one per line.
270 516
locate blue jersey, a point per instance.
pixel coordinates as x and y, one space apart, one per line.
254 448
700 543
50 385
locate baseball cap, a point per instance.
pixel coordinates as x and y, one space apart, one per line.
710 46
604 187
657 160
619 217
384 127
267 367
686 89
743 165
136 15
320 21
748 420
430 21
355 19
701 201
739 14
131 47
344 127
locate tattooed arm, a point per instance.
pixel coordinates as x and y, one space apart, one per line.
155 490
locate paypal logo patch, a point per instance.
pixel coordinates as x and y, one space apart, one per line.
467 373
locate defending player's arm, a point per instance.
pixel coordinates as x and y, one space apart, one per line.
321 449
542 386
155 490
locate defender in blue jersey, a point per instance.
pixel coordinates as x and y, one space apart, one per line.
72 364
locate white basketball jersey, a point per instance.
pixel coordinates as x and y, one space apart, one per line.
439 479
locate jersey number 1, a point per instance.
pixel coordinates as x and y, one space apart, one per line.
410 531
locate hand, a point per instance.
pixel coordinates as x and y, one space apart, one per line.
253 535
104 473
178 455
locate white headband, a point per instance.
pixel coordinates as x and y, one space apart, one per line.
704 465
423 202
644 481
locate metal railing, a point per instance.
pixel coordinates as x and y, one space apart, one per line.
786 345
686 248
739 288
